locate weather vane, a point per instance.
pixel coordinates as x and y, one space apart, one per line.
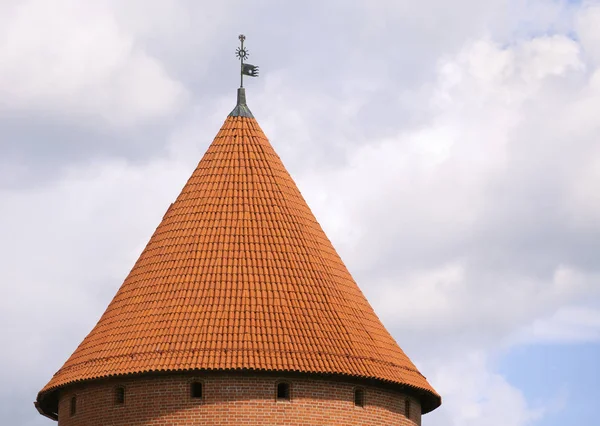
246 69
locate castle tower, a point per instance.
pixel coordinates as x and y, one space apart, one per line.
239 311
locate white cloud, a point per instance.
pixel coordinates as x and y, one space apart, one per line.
69 57
474 395
588 30
449 300
569 324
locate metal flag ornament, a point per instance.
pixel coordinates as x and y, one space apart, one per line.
251 70
246 69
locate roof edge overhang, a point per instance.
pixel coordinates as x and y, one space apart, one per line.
48 406
47 400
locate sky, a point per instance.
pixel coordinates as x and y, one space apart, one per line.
450 150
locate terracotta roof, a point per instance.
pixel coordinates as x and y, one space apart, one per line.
240 275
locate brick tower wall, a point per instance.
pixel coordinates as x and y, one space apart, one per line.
232 400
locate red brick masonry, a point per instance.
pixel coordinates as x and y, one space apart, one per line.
232 400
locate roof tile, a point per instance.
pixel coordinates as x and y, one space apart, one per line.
240 275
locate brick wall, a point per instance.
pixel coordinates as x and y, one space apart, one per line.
232 400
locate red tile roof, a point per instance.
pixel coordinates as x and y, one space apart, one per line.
240 275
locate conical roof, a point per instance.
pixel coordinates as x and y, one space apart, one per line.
239 275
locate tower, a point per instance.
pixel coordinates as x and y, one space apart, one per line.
238 311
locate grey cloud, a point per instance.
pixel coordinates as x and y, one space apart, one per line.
37 149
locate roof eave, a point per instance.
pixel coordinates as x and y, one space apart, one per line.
43 407
47 400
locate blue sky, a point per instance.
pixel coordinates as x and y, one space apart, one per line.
566 374
449 150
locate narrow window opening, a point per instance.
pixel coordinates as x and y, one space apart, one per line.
196 390
120 395
283 391
359 397
407 408
73 405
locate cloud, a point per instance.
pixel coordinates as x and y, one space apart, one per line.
570 324
60 259
468 214
452 158
588 30
474 395
79 82
67 57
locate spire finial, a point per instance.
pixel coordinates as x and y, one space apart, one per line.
241 109
245 69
